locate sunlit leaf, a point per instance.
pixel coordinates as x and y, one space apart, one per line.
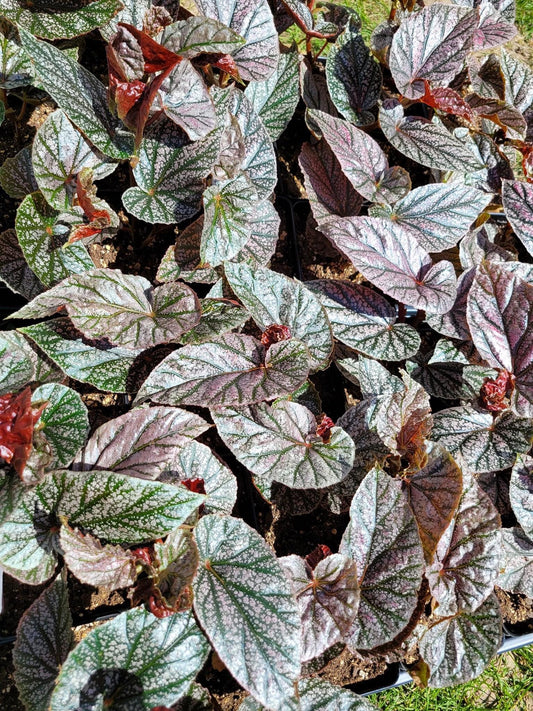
219 316
518 206
521 493
518 81
133 12
198 35
16 364
14 269
516 564
16 175
454 323
264 223
493 29
372 377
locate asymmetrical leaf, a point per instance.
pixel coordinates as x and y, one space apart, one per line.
14 269
518 205
244 603
16 175
521 493
392 260
44 639
280 442
110 662
382 538
516 564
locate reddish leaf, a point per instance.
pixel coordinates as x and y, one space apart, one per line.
324 429
494 391
274 334
17 419
156 57
319 553
449 101
127 94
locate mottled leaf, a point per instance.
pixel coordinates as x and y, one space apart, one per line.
518 205
280 442
16 364
15 66
264 223
111 662
453 323
14 269
219 316
516 564
244 603
199 35
521 493
16 175
518 81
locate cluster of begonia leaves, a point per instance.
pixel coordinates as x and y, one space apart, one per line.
418 165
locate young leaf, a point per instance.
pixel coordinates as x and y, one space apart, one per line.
459 648
382 538
486 444
354 77
244 603
200 35
80 94
431 45
516 564
273 298
44 639
392 260
110 662
140 443
233 369
16 175
14 269
465 567
107 369
518 205
280 442
364 320
521 493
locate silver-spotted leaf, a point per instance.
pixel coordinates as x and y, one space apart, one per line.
182 260
280 443
245 605
264 223
15 66
272 298
454 324
140 443
185 100
493 28
521 493
458 648
219 316
16 364
233 369
518 78
518 205
372 377
516 563
16 175
14 269
382 537
44 639
110 662
199 35
392 260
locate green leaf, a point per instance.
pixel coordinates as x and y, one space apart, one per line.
244 603
14 269
233 369
44 639
111 662
133 12
264 223
354 77
80 94
15 66
16 365
64 422
42 237
275 99
219 316
521 493
199 35
459 648
107 370
16 175
372 377
273 298
382 538
57 23
486 444
280 443
516 564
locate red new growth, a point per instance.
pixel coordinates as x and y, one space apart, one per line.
196 485
324 429
274 334
319 553
494 391
17 420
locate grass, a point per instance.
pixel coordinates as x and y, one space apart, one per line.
524 17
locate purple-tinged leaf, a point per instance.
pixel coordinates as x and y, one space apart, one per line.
479 245
516 564
382 537
245 605
493 29
185 100
199 35
300 13
364 320
14 270
273 298
106 369
328 189
521 493
275 99
500 113
140 443
465 567
454 323
458 648
426 142
44 639
16 175
264 222
354 77
280 443
94 563
233 369
486 76
314 91
80 94
393 184
182 260
485 444
518 205
431 45
518 81
177 562
252 19
196 461
327 598
219 316
392 260
110 662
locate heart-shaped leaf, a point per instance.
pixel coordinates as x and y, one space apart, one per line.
110 662
244 603
106 369
94 563
234 369
280 442
485 444
459 648
14 269
273 298
465 567
200 35
364 320
392 260
431 45
16 175
516 564
382 537
521 493
80 94
140 443
354 77
44 639
518 205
